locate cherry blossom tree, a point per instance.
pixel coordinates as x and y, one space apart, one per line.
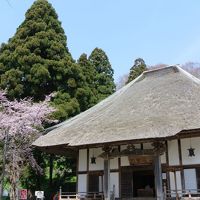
21 122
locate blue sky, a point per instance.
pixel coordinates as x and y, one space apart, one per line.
159 31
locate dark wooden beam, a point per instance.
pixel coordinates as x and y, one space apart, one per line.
167 164
106 179
77 169
181 163
119 167
88 162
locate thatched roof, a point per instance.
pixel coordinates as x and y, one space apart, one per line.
158 104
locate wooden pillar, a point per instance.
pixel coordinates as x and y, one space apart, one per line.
175 182
181 164
60 193
158 177
106 184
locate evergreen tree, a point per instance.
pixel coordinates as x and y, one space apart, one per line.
104 82
35 61
138 68
87 95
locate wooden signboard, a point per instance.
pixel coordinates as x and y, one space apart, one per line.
138 160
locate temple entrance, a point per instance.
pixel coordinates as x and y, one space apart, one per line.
143 183
137 182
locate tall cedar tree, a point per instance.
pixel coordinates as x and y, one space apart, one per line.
138 68
36 62
89 98
104 82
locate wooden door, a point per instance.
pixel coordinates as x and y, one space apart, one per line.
95 181
126 182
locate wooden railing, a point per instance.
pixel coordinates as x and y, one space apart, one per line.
69 197
192 194
81 196
182 194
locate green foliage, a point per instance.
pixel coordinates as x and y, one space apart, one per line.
35 61
64 172
104 82
65 105
138 68
87 95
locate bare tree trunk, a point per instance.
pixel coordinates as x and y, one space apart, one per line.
13 186
14 178
13 191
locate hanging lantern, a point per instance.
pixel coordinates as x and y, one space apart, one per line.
93 160
191 150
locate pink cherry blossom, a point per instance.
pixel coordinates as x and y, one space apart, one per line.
21 122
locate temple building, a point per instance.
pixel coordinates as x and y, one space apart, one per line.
141 142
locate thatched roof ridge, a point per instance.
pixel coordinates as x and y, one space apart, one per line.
158 104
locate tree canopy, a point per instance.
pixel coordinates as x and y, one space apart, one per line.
36 60
104 82
138 68
90 93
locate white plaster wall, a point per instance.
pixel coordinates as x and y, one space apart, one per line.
114 180
82 162
163 158
190 179
173 152
147 146
114 163
164 176
185 144
178 180
99 161
82 183
125 161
